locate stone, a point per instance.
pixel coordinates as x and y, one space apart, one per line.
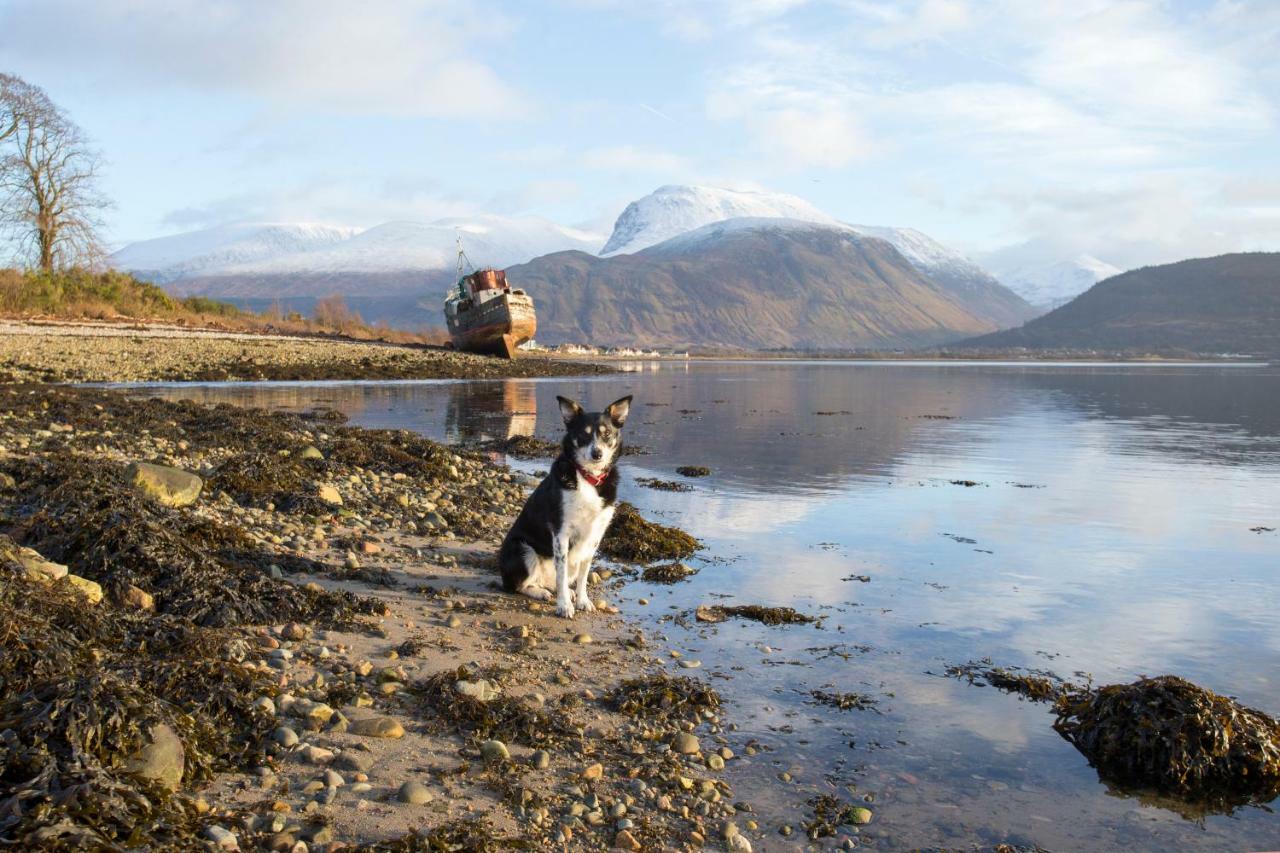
593 772
332 779
315 713
294 631
285 736
414 793
263 704
715 762
377 727
541 759
685 744
169 486
310 452
316 755
739 844
38 568
90 590
479 689
624 840
328 494
162 759
494 750
138 598
221 837
860 816
582 639
354 761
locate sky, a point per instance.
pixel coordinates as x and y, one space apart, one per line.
1139 132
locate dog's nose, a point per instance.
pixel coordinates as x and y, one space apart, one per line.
597 454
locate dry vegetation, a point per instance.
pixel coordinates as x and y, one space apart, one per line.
79 294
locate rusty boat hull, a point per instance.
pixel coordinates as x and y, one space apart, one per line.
495 325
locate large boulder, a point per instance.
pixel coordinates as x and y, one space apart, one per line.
162 760
169 486
37 567
91 590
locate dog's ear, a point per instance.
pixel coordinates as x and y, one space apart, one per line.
568 409
619 410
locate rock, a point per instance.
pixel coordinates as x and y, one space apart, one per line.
709 614
310 452
479 689
315 713
294 631
414 793
222 837
328 494
593 772
541 759
739 844
686 744
354 761
86 587
162 760
377 727
454 621
689 663
332 779
494 750
625 841
138 598
169 486
316 755
582 639
860 816
264 705
38 568
715 762
285 736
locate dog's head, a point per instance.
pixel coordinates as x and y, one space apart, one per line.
594 439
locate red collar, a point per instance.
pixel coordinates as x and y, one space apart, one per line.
593 479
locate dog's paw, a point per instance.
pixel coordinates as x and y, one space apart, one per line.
565 609
584 604
537 593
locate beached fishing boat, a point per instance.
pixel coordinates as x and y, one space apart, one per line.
486 315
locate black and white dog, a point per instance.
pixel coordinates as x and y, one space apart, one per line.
549 549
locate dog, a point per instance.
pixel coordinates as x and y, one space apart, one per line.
548 551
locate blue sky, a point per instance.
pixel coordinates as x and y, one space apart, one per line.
1137 131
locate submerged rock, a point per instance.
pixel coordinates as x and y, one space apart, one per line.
169 486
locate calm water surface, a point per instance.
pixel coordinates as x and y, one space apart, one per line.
1109 534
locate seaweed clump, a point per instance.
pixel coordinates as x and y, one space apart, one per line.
514 720
663 485
85 690
664 697
844 701
522 447
632 539
1172 735
754 612
693 471
830 813
80 512
668 573
474 835
262 479
1038 686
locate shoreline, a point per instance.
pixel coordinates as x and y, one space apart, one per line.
372 520
75 353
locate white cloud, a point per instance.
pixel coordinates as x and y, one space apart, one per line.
395 57
635 158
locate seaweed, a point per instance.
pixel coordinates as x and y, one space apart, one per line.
81 691
693 471
1035 685
521 447
830 813
503 716
473 835
79 511
1176 737
668 573
663 697
262 479
754 612
632 539
844 701
663 485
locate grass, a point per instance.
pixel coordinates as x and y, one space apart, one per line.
80 294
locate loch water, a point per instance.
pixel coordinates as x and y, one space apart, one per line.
1115 527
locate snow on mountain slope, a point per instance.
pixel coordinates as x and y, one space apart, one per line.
194 253
672 210
282 249
924 252
1049 285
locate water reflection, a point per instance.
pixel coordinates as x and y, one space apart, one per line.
1108 532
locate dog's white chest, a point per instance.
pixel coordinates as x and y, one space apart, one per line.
585 518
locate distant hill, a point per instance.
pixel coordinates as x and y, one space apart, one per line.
1230 303
751 283
1049 285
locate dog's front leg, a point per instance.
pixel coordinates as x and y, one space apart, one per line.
597 533
580 597
560 554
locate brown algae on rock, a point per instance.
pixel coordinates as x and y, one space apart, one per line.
664 697
633 539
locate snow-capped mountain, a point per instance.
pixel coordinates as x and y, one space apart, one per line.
672 210
1049 285
178 256
236 251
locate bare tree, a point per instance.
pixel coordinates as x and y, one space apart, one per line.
49 200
